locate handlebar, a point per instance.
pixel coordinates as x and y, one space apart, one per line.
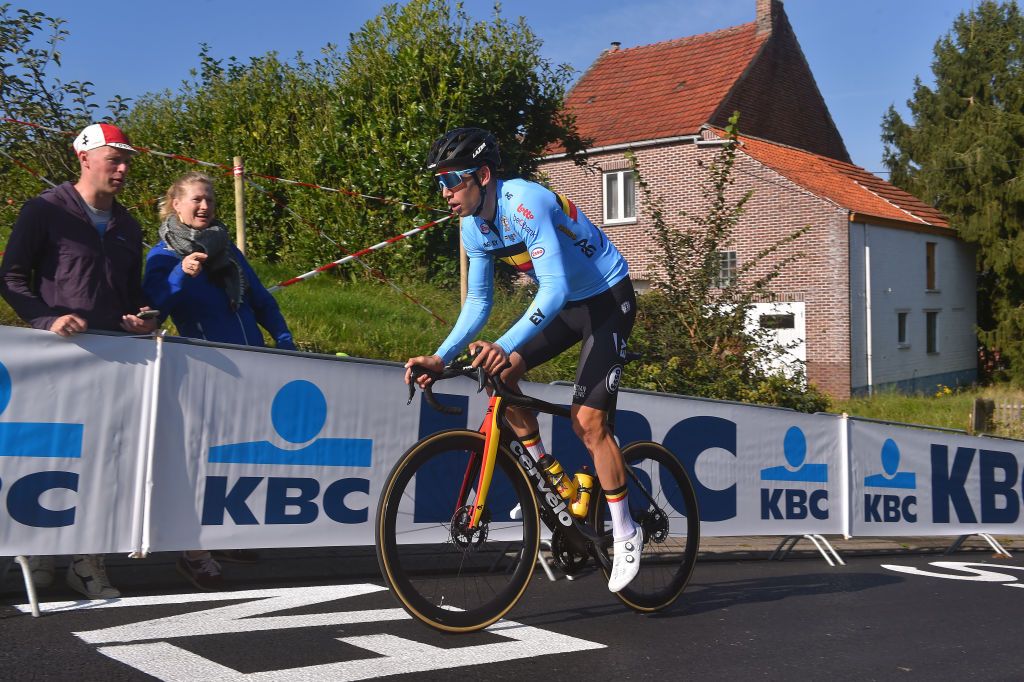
483 380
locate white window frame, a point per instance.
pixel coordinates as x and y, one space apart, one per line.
620 198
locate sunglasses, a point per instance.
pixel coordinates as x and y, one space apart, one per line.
452 180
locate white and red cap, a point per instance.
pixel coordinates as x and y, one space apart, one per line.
102 135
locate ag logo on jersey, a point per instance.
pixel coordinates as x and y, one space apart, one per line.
537 252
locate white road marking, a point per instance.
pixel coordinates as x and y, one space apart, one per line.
141 646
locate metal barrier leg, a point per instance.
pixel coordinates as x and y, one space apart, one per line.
996 546
992 542
546 544
30 587
823 546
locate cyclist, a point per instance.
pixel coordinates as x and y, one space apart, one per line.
584 294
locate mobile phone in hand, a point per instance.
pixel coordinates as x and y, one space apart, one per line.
147 314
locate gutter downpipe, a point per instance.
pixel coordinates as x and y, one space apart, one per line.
867 312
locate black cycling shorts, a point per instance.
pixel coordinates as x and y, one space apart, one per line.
603 323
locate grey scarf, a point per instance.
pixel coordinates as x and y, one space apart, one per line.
221 266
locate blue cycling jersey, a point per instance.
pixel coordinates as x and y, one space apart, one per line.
545 236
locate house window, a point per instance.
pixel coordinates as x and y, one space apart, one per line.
901 329
929 258
778 321
932 331
620 197
726 269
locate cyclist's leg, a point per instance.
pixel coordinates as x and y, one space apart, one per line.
550 342
608 322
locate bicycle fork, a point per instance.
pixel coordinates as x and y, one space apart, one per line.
492 432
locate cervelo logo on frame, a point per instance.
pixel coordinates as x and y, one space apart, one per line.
37 440
787 502
894 505
298 414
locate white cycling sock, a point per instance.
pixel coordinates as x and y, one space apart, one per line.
534 445
622 522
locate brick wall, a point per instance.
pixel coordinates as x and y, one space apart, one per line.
778 207
777 96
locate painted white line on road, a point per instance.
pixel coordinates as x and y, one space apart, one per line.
161 599
394 656
141 646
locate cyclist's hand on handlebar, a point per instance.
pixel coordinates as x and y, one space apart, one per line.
434 363
490 356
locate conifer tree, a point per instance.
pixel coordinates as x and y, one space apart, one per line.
963 152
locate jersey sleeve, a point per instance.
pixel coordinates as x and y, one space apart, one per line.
541 239
479 298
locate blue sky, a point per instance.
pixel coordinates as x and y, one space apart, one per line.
864 55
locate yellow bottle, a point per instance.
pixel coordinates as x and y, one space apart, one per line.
584 486
564 486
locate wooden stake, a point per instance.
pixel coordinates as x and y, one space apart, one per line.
239 172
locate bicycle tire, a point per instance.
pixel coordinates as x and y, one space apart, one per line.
444 575
671 541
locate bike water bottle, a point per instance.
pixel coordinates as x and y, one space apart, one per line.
584 486
564 486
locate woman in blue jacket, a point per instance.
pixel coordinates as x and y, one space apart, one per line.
199 278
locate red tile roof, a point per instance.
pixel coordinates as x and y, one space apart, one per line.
661 90
849 186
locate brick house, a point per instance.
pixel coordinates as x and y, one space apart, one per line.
884 292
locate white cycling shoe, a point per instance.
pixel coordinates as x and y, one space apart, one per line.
517 512
626 560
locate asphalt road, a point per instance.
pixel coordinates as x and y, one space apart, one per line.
905 616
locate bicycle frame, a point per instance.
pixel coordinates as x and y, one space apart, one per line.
547 499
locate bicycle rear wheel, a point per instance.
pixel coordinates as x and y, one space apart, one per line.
445 574
662 501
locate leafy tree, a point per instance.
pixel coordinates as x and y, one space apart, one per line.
30 91
360 120
963 151
694 336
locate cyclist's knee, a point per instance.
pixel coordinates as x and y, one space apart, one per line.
589 426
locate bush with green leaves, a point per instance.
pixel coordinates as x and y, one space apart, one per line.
360 120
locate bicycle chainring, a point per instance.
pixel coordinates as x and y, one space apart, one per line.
462 535
568 558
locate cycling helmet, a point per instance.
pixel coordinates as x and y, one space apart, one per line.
464 147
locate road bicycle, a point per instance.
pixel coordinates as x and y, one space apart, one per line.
458 554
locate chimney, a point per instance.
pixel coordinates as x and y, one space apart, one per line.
615 46
768 13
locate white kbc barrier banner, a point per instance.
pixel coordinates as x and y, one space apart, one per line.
111 444
928 482
72 441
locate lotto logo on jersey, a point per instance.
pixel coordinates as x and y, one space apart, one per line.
527 213
537 252
484 229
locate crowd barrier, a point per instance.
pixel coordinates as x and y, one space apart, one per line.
132 445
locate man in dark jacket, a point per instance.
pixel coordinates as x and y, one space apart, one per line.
74 259
74 262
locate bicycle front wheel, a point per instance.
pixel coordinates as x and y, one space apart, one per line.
663 503
444 573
